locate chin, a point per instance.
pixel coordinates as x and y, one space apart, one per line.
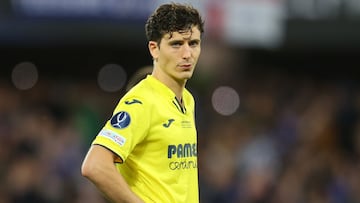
187 76
184 76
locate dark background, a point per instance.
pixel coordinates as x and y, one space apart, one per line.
325 37
294 136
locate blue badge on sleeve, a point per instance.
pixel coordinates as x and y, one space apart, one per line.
120 120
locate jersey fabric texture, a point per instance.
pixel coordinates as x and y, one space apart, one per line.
156 141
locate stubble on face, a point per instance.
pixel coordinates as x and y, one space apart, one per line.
177 55
185 47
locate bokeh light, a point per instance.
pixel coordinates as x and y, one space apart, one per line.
24 75
112 77
225 100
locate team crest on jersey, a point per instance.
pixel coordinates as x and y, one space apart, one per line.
120 120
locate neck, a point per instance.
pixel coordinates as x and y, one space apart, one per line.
177 86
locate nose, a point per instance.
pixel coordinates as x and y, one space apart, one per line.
186 52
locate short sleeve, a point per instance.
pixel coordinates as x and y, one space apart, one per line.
126 128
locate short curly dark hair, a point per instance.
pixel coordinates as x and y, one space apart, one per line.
170 18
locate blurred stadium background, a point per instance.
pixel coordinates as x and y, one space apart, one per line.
277 89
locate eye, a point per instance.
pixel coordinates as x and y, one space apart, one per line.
194 43
176 44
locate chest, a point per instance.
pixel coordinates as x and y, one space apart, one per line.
169 125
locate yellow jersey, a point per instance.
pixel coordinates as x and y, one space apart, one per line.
156 140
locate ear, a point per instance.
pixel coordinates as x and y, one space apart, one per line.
154 49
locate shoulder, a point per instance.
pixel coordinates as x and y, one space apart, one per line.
188 94
138 97
143 89
188 97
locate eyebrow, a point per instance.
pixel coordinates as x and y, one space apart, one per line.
195 40
182 41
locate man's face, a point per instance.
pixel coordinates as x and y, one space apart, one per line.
178 53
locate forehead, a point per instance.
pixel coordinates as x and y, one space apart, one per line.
193 33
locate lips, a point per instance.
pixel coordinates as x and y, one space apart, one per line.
185 66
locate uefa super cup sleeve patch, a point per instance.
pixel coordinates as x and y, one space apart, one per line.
120 120
113 136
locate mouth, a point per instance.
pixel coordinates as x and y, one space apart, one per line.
186 66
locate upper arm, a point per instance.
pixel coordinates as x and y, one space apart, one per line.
97 157
99 168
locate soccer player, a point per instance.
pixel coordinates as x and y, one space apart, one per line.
147 151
